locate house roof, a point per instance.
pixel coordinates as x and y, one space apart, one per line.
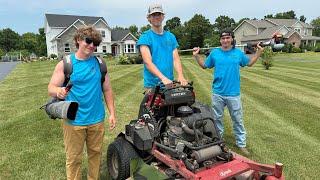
260 23
266 34
58 20
287 22
310 38
119 34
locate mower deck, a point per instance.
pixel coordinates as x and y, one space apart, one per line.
240 167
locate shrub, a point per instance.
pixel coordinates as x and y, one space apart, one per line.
287 48
137 59
53 56
123 59
296 50
267 58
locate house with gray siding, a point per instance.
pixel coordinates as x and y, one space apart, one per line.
294 31
60 30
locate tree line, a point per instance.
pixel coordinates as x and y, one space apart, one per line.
13 43
198 31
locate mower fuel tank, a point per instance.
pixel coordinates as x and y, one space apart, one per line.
140 135
178 96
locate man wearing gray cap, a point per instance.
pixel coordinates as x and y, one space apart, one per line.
159 52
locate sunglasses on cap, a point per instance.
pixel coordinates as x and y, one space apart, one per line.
89 40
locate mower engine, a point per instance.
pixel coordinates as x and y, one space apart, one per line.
177 125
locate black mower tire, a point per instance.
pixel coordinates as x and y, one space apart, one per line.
119 154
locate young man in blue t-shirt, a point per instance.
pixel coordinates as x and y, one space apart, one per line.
87 90
226 61
159 51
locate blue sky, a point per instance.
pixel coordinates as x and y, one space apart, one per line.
28 15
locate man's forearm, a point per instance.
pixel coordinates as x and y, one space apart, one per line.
255 57
199 60
108 95
154 70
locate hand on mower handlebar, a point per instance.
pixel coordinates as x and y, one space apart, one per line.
182 81
166 81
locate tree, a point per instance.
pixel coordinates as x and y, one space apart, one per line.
283 15
119 28
286 15
223 23
303 19
29 42
172 24
134 30
196 29
9 40
316 25
41 49
268 16
144 28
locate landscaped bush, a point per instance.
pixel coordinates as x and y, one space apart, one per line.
317 48
53 56
296 50
136 59
287 48
266 57
123 59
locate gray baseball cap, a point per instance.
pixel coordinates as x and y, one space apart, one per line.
154 8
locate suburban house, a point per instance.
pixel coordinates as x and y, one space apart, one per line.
123 42
294 31
60 29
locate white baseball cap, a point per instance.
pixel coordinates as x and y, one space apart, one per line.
154 8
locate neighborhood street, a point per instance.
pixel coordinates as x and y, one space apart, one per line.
6 68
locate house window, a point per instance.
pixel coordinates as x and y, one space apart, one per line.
298 30
66 47
103 33
129 48
104 49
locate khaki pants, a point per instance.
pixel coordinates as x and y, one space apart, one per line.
74 138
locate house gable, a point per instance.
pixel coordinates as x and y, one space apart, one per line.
77 24
129 36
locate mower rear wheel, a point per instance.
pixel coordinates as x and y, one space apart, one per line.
119 155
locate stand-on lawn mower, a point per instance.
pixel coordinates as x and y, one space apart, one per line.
179 136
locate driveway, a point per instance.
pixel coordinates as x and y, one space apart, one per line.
6 68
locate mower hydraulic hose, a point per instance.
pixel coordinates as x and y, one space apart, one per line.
166 147
205 146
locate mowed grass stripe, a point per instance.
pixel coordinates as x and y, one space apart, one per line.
285 105
295 70
300 93
292 79
202 83
298 74
271 139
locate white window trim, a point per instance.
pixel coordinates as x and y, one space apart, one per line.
67 47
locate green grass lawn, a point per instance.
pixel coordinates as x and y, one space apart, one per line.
281 115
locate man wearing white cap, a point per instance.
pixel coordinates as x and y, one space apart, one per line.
159 51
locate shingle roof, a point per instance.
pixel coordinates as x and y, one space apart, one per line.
266 34
117 35
58 20
287 22
260 23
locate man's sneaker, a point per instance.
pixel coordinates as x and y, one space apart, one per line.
244 151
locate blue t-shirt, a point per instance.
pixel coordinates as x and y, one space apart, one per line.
161 49
226 73
86 90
